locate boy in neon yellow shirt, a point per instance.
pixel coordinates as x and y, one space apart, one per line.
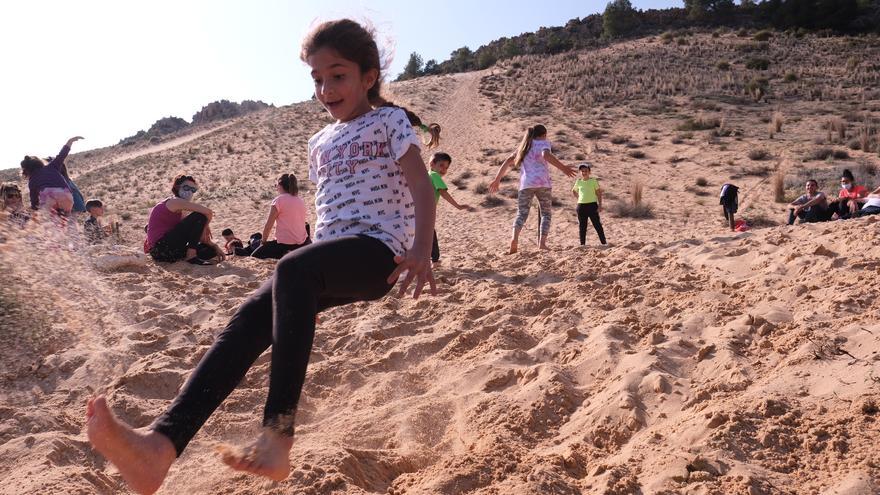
440 163
589 196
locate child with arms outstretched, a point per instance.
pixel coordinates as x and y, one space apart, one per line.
534 155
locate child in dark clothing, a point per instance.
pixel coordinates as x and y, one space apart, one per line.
233 243
95 232
46 182
253 243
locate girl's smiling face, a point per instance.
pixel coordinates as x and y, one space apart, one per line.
585 173
340 85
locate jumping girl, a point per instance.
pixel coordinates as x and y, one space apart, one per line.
375 218
533 154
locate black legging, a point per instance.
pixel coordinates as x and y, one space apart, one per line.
276 250
589 211
186 234
435 249
280 314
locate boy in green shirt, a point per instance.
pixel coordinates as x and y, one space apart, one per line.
589 197
440 163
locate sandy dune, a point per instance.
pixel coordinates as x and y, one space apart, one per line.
681 359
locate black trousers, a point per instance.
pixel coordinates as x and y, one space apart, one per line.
589 211
276 250
281 315
435 249
186 234
815 214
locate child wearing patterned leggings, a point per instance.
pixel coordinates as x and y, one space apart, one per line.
534 154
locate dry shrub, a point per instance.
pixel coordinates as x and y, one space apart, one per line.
759 154
866 137
702 182
635 208
637 154
481 188
820 154
776 122
836 125
867 168
491 201
779 187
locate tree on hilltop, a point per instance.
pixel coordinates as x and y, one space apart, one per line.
619 19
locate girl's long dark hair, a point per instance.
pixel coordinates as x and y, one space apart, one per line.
289 183
356 43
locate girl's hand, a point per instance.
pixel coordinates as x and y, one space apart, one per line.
417 267
493 186
569 170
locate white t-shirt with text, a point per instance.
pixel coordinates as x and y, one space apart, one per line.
360 186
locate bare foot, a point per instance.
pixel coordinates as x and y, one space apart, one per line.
513 247
268 456
142 458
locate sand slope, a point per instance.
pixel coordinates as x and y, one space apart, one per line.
682 359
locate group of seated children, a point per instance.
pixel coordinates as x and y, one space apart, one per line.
173 236
853 201
52 190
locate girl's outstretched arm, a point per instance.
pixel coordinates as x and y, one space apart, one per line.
58 162
448 197
270 222
417 261
552 160
502 171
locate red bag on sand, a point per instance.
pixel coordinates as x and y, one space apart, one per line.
741 226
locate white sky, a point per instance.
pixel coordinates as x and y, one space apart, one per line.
106 69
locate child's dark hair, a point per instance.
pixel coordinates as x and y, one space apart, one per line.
94 203
31 164
846 174
441 157
357 43
226 232
525 145
288 183
585 166
6 189
178 181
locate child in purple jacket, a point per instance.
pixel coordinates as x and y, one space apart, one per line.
46 182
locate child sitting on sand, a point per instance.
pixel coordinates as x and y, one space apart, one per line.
94 231
10 195
232 243
287 216
440 163
589 203
375 215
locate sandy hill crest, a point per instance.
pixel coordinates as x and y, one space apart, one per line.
682 359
